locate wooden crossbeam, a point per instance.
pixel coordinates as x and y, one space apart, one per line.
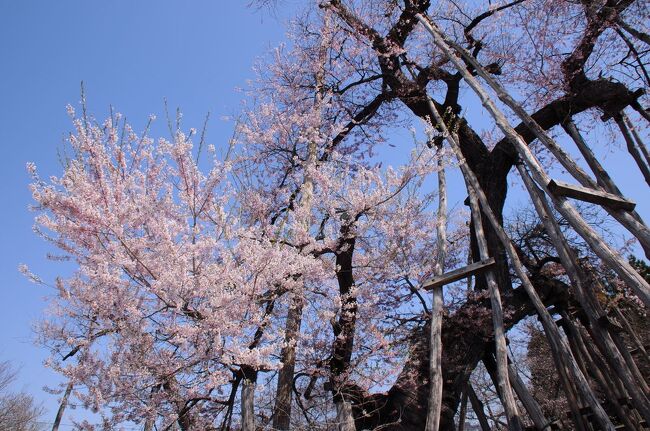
458 274
586 194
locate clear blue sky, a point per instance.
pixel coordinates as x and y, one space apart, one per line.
130 54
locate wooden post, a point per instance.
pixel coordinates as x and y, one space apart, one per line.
637 138
605 181
585 296
631 148
594 196
62 407
435 331
530 404
598 245
602 177
559 347
463 410
475 268
627 220
607 380
642 112
477 407
503 381
612 386
631 332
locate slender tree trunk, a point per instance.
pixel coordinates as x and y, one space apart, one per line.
282 409
344 328
284 393
344 417
150 422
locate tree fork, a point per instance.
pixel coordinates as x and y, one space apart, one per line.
602 249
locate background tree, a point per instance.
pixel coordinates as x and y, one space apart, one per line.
18 410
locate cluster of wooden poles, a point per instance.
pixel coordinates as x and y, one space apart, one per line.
591 347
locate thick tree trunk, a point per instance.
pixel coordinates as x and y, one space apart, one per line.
344 329
282 409
344 416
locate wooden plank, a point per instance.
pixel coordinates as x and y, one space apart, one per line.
586 194
458 274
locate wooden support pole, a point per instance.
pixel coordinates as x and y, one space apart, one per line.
598 245
637 137
477 407
631 332
560 188
613 388
605 181
435 333
559 347
62 407
639 230
638 378
602 177
530 403
638 108
460 273
462 415
589 303
598 369
631 148
503 380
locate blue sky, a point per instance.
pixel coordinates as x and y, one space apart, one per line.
131 54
